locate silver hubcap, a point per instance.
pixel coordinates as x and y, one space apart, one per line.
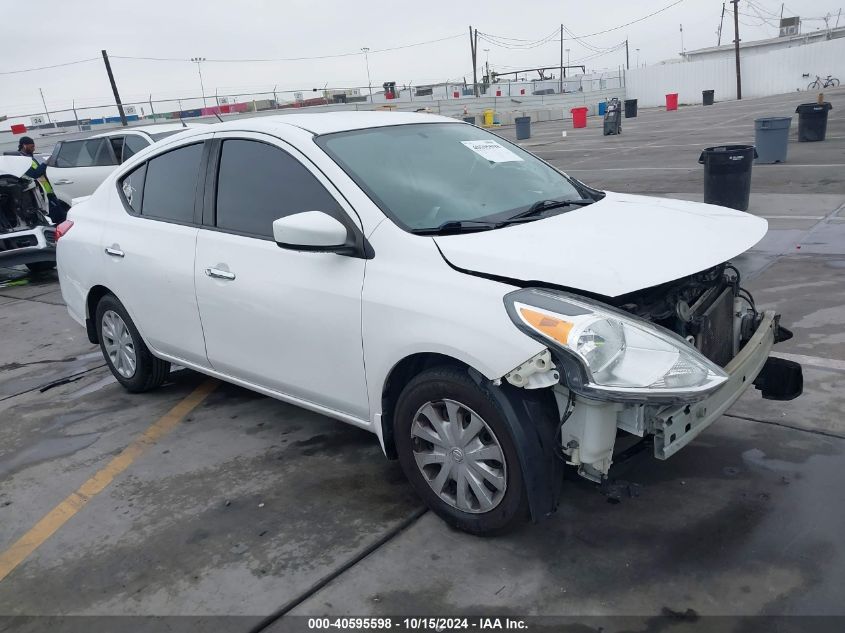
459 456
118 343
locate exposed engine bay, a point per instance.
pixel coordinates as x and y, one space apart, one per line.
22 204
709 309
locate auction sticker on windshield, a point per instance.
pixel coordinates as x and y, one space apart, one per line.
492 151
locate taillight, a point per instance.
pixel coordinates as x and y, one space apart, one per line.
63 228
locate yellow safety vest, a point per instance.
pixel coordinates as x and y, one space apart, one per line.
45 184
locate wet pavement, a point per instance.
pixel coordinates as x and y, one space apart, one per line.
251 507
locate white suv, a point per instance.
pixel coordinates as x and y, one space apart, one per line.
76 168
489 318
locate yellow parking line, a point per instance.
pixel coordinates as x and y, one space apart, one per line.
77 500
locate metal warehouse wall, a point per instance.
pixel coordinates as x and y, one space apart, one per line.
776 72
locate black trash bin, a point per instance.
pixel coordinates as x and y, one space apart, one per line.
469 119
523 127
707 97
727 175
812 121
630 108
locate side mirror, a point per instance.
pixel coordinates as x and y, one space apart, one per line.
312 231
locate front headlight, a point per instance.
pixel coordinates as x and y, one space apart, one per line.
619 354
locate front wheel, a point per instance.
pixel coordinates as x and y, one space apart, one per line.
833 83
456 449
816 85
125 352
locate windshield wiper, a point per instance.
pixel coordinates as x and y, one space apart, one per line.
458 226
544 205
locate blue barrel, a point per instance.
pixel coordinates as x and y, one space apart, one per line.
771 138
602 107
523 127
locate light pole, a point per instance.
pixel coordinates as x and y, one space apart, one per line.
366 50
638 57
198 61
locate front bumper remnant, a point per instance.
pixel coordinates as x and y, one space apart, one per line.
677 426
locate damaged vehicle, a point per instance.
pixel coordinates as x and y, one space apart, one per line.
27 236
491 319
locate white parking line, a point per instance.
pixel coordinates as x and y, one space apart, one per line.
813 361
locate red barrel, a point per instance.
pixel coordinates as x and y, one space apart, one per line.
579 117
672 101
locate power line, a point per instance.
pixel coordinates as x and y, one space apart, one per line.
290 59
645 17
30 70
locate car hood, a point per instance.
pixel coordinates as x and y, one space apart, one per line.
15 166
617 245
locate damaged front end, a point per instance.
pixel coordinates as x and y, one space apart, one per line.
26 234
662 363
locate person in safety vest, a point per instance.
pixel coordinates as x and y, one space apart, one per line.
38 171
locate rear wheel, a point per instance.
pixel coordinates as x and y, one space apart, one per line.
834 83
816 85
456 449
40 267
125 352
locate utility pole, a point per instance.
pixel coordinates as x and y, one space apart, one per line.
198 61
627 61
722 21
682 39
560 90
46 111
736 49
114 89
473 47
366 51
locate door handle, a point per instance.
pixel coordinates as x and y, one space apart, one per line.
63 181
220 274
114 252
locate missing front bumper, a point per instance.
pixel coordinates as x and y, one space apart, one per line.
677 426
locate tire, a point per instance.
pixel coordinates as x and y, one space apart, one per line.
449 394
814 86
40 267
121 344
834 83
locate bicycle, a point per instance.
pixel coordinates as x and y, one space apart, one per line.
820 83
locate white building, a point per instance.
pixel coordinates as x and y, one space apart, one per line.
761 47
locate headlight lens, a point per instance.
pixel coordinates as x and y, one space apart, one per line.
619 353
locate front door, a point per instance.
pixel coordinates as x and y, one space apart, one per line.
285 320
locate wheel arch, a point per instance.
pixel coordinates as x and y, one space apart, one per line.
95 294
399 376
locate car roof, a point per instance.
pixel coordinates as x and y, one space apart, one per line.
147 129
329 122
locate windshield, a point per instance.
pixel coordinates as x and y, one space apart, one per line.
424 176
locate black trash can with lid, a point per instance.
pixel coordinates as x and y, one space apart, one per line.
727 175
812 121
630 108
707 97
523 127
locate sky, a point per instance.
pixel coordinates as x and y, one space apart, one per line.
62 31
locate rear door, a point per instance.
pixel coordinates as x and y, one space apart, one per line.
148 248
76 168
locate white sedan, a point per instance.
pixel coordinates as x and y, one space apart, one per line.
489 318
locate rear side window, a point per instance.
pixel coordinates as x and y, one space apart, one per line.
258 183
132 187
170 184
96 152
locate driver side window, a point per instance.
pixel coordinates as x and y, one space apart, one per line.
258 183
